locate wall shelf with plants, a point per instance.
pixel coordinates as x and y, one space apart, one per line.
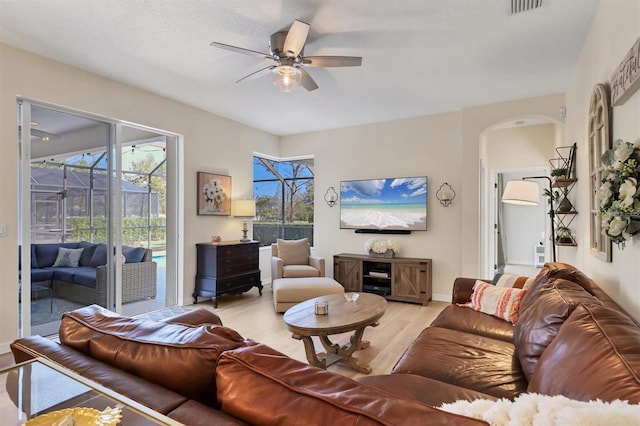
563 177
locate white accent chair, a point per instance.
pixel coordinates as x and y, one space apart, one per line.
292 259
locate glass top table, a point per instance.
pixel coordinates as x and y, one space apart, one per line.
40 392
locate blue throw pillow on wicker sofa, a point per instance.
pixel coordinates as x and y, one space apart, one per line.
99 256
133 254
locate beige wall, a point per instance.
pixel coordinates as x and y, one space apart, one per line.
519 146
475 121
615 28
211 143
527 149
431 146
424 146
444 147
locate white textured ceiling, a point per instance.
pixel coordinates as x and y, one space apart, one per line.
420 57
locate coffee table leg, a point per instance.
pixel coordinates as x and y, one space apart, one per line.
345 353
310 351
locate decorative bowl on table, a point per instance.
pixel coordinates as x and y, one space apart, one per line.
79 416
351 297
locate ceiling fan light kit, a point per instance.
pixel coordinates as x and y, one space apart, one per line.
286 49
287 78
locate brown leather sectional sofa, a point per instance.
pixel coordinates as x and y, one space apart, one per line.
571 339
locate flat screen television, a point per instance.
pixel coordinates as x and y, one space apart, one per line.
384 205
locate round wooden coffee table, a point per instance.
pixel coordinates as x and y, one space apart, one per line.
343 317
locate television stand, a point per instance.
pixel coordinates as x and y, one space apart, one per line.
403 279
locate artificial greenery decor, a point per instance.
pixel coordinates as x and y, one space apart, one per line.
560 171
619 193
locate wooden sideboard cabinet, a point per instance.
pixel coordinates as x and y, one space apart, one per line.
403 279
226 267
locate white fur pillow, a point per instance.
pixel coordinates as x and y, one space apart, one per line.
533 409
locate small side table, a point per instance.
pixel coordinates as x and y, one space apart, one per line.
36 288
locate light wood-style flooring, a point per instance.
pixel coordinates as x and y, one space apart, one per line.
254 318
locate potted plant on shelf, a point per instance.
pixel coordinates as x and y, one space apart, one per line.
555 195
565 205
559 172
564 236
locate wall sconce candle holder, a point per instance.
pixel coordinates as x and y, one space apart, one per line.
331 196
445 194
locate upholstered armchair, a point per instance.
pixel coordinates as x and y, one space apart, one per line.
292 259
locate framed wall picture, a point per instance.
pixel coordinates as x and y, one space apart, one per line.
214 194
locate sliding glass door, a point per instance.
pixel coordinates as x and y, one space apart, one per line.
94 216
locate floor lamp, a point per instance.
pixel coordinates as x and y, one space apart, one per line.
527 193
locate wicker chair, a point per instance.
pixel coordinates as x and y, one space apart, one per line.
138 283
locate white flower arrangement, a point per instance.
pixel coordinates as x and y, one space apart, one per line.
381 246
213 193
619 192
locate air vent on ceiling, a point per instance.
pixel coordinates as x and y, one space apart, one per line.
519 6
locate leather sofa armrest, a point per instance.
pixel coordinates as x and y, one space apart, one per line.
318 263
276 268
462 289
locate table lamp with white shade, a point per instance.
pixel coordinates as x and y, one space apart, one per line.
244 209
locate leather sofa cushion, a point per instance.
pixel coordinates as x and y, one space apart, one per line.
556 270
251 378
596 355
464 319
149 394
463 359
539 323
179 357
193 413
428 391
197 316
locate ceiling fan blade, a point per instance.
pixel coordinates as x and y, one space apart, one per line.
255 74
296 38
332 61
241 50
307 82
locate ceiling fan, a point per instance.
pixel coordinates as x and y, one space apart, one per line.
286 49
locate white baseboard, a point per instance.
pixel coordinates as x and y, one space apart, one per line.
441 297
4 347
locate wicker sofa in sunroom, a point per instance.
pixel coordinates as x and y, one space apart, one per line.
86 283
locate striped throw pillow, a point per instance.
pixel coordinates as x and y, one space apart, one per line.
514 281
501 302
